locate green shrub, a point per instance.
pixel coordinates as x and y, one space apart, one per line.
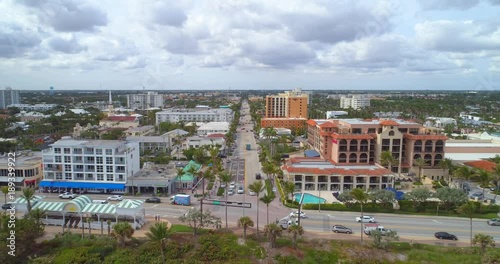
210 186
220 191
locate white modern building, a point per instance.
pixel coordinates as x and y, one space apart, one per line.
355 102
97 165
440 122
195 115
199 141
145 100
335 114
9 97
34 107
213 128
158 143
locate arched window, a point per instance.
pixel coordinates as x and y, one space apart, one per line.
428 159
342 158
437 159
428 146
353 158
363 158
391 133
417 147
416 156
353 145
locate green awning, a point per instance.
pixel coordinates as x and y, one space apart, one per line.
99 208
129 204
50 206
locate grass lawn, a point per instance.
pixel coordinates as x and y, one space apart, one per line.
181 228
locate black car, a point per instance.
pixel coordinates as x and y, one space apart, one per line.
258 176
445 235
6 206
153 200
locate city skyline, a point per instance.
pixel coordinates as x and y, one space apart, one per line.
251 45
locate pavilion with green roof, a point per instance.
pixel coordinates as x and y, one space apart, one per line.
186 180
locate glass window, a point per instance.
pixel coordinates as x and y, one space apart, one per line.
109 160
67 159
67 167
59 175
109 168
100 177
68 176
57 150
109 152
58 159
109 177
100 168
98 151
67 150
99 160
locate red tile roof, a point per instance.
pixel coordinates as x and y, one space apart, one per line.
327 124
425 137
311 122
216 135
389 123
352 136
482 164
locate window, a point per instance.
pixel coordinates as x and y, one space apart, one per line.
67 167
58 175
98 160
100 168
57 150
109 177
98 151
67 159
77 151
68 176
391 133
89 150
109 152
109 160
67 150
58 159
89 160
79 176
109 168
120 177
100 177
90 168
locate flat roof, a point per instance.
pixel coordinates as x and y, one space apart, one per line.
215 126
22 158
471 144
469 156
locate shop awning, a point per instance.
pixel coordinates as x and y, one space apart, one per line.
82 185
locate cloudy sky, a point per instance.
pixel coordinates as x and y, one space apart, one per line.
243 44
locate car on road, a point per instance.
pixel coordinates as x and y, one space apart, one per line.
478 195
296 214
115 198
366 219
274 189
491 222
241 190
153 200
341 229
445 235
494 188
258 176
7 206
67 195
223 185
230 192
252 193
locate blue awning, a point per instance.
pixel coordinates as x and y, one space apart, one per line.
83 185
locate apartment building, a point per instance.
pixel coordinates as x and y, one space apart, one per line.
164 142
34 107
355 102
195 115
145 100
102 165
9 97
286 110
28 168
361 142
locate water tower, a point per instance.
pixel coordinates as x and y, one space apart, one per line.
51 90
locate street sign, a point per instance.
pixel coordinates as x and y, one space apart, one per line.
228 203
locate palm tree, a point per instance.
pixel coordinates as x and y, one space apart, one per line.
465 173
28 195
245 222
257 187
159 233
273 231
122 231
37 215
225 177
387 159
484 179
267 199
361 197
289 188
446 164
496 179
420 163
5 191
295 230
468 209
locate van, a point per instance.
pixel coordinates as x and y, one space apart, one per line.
99 201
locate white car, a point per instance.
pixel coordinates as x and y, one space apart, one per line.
252 193
296 214
115 198
230 192
232 185
241 190
67 195
366 219
223 185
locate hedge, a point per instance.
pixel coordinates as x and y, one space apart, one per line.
210 186
220 191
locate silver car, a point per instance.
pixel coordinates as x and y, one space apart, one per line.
341 229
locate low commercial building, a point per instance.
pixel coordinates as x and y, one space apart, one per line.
199 114
199 141
213 128
28 168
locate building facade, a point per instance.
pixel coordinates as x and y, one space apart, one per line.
356 141
355 102
28 168
144 101
213 128
290 104
34 107
90 164
9 97
195 115
294 124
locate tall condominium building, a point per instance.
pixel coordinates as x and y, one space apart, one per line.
355 102
195 115
8 97
102 165
144 101
361 142
291 104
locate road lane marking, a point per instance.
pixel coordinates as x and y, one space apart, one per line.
436 221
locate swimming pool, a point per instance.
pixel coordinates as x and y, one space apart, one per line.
309 198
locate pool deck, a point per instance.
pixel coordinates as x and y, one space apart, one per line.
328 196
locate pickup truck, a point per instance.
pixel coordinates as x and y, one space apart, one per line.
375 227
67 195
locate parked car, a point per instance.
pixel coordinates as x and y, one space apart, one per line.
258 176
232 185
223 185
341 229
252 193
241 190
478 195
7 206
153 200
366 219
67 195
445 235
491 222
115 198
296 214
230 192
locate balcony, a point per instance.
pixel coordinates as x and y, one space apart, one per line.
119 171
